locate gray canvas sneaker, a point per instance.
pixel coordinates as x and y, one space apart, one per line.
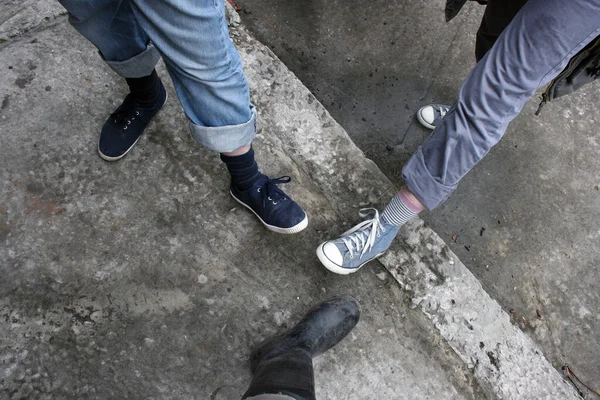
361 244
431 115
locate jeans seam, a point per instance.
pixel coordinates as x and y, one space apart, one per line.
224 37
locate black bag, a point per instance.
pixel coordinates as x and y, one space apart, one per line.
583 68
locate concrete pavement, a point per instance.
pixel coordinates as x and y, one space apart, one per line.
117 281
526 221
144 279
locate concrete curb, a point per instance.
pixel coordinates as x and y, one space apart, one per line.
505 362
29 16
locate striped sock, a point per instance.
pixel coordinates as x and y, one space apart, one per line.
400 210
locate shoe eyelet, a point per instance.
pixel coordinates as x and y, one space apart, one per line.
269 198
274 202
137 113
132 118
351 257
125 128
128 122
378 235
258 190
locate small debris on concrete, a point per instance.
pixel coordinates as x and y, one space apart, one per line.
512 310
481 231
539 313
454 237
202 279
235 6
381 276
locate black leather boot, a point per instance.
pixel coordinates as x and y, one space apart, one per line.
283 364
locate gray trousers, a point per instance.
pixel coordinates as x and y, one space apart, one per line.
534 48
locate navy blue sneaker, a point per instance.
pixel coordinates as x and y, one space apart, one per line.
275 209
125 126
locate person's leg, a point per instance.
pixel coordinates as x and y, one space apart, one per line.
282 366
193 38
531 51
497 16
112 27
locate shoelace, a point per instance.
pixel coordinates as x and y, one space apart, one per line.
274 194
123 119
443 111
362 237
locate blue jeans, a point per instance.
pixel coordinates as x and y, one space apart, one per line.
534 48
193 40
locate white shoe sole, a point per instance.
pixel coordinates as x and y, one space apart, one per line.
294 229
330 265
422 121
109 158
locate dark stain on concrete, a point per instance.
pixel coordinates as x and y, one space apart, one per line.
494 360
5 102
35 188
23 81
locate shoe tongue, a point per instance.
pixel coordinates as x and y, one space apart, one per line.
384 220
271 188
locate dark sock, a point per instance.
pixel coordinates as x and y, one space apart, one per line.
243 169
146 89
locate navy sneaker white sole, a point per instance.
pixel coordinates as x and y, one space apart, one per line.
422 121
109 158
294 229
336 269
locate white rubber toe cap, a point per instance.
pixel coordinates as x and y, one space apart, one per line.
427 114
333 254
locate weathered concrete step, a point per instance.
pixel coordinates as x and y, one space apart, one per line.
116 247
144 279
20 17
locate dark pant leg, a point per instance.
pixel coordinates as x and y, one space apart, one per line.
289 374
498 14
113 28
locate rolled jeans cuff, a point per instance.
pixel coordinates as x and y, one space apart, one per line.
425 187
225 139
140 65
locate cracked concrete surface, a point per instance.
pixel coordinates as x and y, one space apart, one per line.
143 279
117 284
526 220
